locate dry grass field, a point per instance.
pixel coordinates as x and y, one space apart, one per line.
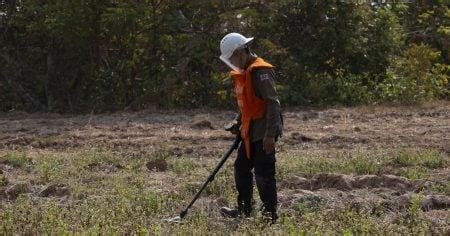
346 170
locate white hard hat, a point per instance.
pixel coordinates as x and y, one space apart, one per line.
229 44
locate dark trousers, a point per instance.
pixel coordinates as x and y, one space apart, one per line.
264 165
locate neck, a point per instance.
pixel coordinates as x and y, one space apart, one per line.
250 59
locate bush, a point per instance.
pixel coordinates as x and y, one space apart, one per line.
351 90
414 77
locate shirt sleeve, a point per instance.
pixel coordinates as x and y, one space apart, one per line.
264 86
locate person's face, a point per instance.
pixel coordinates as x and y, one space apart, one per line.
239 58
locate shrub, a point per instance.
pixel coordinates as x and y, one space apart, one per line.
414 77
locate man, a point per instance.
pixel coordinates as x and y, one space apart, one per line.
259 124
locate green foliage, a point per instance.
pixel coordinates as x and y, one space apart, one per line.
3 180
78 56
431 159
342 162
441 187
414 77
182 165
135 200
414 215
309 204
351 90
416 172
49 168
18 159
363 165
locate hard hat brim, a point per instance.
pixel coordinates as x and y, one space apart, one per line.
248 40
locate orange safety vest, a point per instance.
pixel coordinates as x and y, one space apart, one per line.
251 106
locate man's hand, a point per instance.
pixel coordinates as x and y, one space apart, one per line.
269 145
233 127
235 130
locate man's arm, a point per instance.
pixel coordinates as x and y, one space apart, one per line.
264 87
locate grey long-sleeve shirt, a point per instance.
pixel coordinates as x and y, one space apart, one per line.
271 124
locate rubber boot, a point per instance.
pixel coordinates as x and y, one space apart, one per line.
229 212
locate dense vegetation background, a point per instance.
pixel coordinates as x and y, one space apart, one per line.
105 55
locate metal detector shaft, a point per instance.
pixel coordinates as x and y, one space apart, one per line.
234 146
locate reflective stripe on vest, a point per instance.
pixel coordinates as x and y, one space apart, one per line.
250 106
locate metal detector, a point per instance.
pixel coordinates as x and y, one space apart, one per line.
235 145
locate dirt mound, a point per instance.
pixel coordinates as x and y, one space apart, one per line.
381 200
347 182
157 165
58 190
301 137
337 181
338 138
384 181
13 191
203 124
209 204
435 202
365 192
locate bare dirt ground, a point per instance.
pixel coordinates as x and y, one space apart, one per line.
373 127
310 133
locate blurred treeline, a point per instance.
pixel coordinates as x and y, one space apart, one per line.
105 55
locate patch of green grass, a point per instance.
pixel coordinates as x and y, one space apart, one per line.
343 220
432 159
342 162
18 159
309 204
184 165
441 187
3 180
96 158
127 211
364 164
413 218
161 153
428 158
49 168
413 164
222 185
135 200
416 172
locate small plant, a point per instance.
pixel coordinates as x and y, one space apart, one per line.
441 187
413 217
427 158
405 158
414 173
17 159
309 204
432 159
183 165
364 165
222 186
49 168
3 180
